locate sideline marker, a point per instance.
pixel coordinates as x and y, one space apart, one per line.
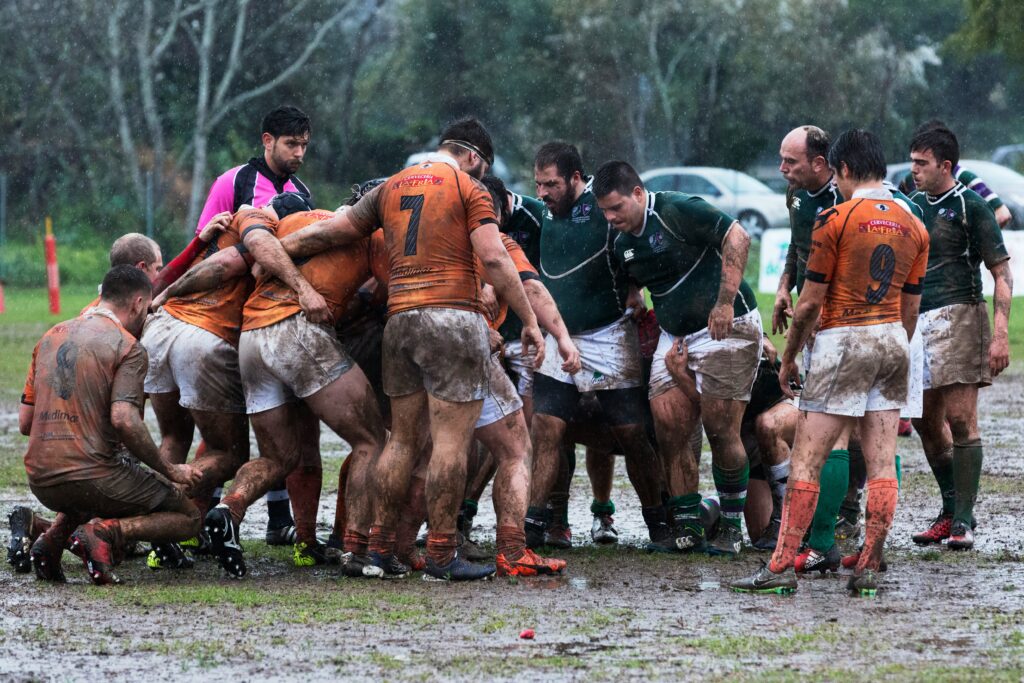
52 272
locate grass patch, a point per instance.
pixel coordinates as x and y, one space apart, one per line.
731 646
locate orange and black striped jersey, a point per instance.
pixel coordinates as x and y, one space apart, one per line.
869 251
427 212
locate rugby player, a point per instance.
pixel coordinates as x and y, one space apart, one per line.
690 256
436 217
193 378
284 134
961 352
84 394
577 266
864 279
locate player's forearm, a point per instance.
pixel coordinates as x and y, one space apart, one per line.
1001 298
178 265
210 274
545 308
804 318
269 253
910 305
505 280
133 434
734 260
320 236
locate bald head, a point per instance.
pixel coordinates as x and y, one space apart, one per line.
804 158
135 249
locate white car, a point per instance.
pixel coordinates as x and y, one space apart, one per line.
755 205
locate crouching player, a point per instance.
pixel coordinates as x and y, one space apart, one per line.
864 276
84 394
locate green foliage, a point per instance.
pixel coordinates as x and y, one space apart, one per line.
994 25
23 265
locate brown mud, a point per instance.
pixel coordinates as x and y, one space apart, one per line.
618 613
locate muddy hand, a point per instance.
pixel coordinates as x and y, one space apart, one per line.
782 312
998 354
720 321
770 352
217 224
489 300
570 356
315 306
788 373
532 338
186 475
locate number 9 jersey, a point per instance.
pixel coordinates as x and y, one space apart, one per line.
868 250
427 212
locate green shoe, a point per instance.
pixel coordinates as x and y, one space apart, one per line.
764 580
310 554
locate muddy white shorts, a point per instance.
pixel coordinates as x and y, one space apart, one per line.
857 369
725 369
520 367
915 380
198 364
609 355
501 399
288 361
956 339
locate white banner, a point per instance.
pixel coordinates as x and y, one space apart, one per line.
775 243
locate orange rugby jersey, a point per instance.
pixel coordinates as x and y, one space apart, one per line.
219 310
335 273
523 267
868 251
427 212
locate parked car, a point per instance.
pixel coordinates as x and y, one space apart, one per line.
1005 182
754 204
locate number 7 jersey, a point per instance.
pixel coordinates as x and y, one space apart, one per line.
868 250
427 212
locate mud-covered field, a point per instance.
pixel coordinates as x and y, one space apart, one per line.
618 613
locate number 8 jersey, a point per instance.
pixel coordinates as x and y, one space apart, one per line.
427 212
868 251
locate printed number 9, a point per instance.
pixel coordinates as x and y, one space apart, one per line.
883 266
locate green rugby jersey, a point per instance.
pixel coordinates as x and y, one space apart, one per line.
677 256
523 225
969 179
578 268
804 208
963 233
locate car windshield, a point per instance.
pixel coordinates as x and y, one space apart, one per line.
738 182
994 175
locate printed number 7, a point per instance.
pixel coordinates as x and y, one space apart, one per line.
412 203
883 266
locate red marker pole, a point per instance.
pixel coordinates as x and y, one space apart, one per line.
52 273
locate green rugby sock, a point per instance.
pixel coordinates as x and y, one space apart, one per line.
942 469
732 492
605 508
967 476
835 477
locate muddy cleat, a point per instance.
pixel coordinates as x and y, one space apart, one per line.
558 535
663 539
310 554
359 566
603 531
727 542
846 530
690 538
333 550
284 535
457 570
97 543
534 533
19 550
937 532
769 537
45 559
168 556
864 585
390 566
764 580
415 560
471 550
198 546
811 560
850 561
529 564
223 533
960 537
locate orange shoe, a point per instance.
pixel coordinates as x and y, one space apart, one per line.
529 564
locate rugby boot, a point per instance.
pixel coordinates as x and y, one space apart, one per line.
101 546
937 532
850 561
390 566
727 542
457 570
284 535
333 550
19 549
168 556
471 550
558 535
764 580
769 537
905 428
198 546
534 526
603 531
529 564
663 538
864 584
415 560
45 558
310 554
960 537
846 530
811 560
710 516
223 533
359 566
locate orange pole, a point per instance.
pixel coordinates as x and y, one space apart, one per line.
52 273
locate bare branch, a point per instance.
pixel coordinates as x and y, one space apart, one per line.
233 56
